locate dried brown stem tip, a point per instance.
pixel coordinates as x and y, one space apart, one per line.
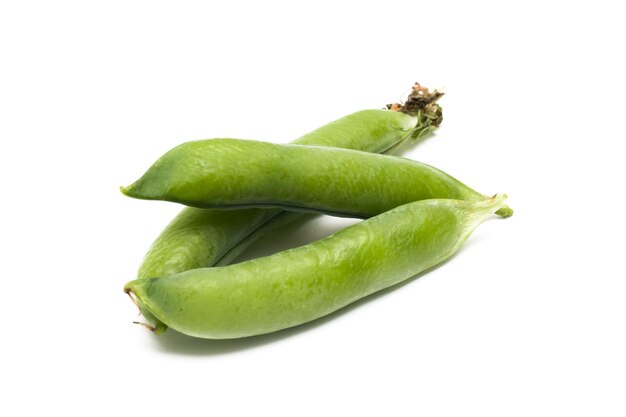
420 99
146 325
417 88
128 292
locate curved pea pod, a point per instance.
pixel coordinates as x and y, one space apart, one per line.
235 174
302 284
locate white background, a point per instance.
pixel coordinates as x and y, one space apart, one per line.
527 319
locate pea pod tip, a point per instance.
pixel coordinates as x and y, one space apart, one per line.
505 212
128 292
132 191
131 289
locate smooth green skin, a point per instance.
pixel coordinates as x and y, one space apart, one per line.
235 173
302 284
199 238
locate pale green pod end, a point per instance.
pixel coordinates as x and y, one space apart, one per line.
128 190
505 212
143 190
493 205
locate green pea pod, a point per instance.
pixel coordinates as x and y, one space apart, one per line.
235 174
302 284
